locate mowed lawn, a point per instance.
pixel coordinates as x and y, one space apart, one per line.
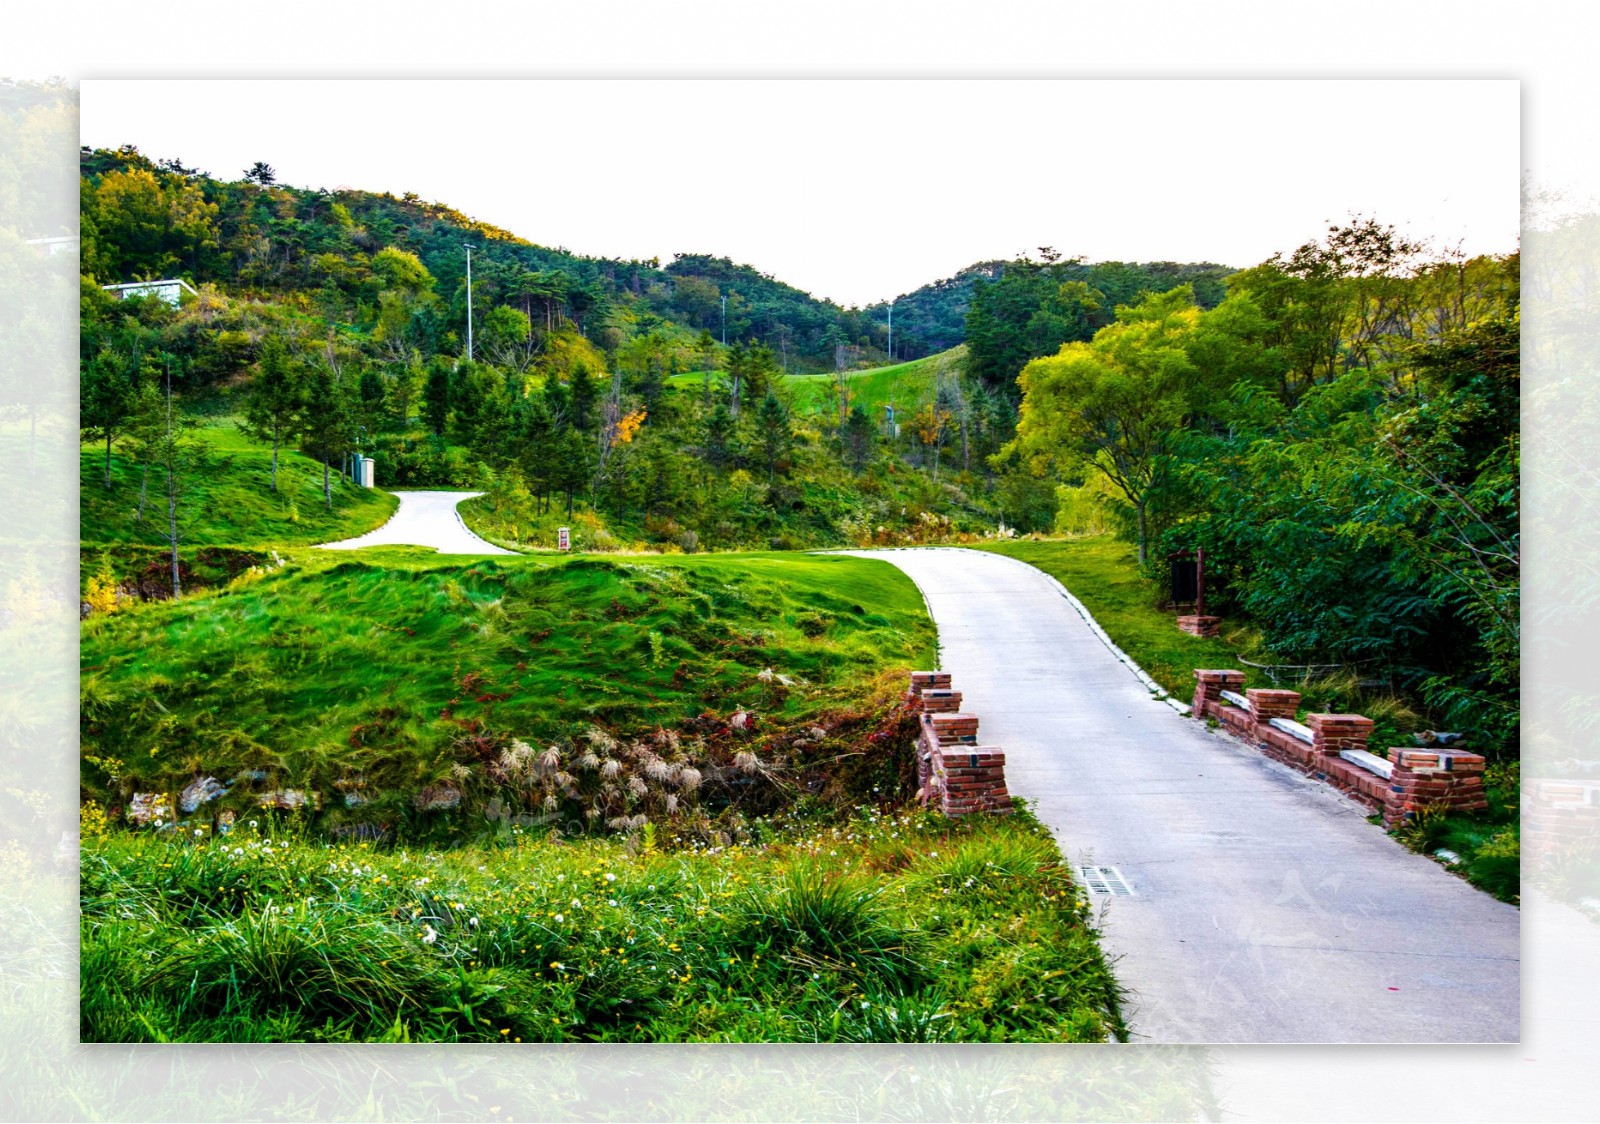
905 386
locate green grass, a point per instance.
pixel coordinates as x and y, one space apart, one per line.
395 671
228 501
885 927
906 386
1103 573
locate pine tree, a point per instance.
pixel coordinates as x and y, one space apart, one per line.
583 398
717 447
772 423
275 404
436 398
327 424
860 439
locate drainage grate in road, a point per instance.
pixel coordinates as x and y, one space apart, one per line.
1105 880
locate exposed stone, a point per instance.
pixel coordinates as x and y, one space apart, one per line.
438 797
146 807
200 791
288 800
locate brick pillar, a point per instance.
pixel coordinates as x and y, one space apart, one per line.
1209 685
1200 626
924 681
1266 704
1331 733
1560 817
1425 778
954 729
940 701
974 780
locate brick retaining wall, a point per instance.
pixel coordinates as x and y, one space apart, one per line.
1418 778
952 768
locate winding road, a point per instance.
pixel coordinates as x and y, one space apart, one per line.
1264 906
424 519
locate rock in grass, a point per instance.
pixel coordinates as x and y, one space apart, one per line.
147 806
199 791
288 799
438 797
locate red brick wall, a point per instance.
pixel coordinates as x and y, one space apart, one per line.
952 768
1421 778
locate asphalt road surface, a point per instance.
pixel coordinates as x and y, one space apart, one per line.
1264 906
424 519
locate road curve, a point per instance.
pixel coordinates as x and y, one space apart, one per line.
424 519
1265 907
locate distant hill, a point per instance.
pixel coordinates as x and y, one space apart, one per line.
167 219
934 318
161 218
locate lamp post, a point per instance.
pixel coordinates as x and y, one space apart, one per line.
891 331
469 304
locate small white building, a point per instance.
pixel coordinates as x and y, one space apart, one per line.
50 247
170 290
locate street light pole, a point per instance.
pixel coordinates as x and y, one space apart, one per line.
469 304
724 320
891 331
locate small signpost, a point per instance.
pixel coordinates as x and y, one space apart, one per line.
1189 586
1189 580
563 538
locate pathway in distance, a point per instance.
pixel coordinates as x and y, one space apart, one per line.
424 519
1265 907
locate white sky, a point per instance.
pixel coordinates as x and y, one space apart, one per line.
863 190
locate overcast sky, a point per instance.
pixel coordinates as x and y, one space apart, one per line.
864 190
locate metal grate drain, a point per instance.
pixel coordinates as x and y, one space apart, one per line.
1105 880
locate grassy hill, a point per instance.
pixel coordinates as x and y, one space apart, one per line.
227 499
396 672
906 386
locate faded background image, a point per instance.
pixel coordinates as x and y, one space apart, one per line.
46 1075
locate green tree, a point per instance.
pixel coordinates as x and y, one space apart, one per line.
581 405
106 398
183 464
707 347
573 459
774 433
860 439
717 446
327 424
436 397
405 383
275 404
1115 405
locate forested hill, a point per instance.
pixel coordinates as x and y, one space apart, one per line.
145 218
934 317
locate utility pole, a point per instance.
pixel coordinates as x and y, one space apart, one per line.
891 331
469 304
724 320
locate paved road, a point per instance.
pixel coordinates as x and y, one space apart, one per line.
425 519
1265 907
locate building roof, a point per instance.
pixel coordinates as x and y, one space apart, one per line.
153 284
